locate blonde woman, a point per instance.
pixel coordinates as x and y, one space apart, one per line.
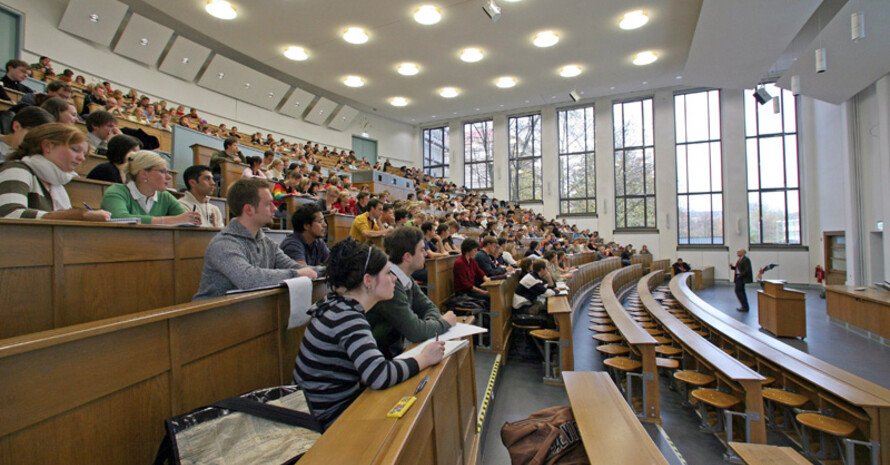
33 180
275 170
145 195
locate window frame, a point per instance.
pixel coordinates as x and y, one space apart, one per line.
562 158
514 162
426 154
487 161
622 226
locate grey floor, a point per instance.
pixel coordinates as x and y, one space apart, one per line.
519 390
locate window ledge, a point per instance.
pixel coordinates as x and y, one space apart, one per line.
788 247
702 247
527 202
577 215
635 231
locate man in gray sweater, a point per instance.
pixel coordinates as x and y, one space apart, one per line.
241 256
409 314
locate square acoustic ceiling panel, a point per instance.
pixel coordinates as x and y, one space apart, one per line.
322 110
343 118
94 20
297 103
143 40
235 80
184 59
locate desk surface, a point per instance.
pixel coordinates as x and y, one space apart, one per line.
875 295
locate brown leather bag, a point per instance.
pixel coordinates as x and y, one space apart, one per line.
547 437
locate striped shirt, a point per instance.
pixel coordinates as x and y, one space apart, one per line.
22 195
339 357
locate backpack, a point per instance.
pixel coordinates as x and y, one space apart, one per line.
547 437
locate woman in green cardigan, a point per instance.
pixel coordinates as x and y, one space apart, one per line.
145 195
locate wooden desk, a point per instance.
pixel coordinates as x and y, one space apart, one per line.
6 105
338 227
868 309
60 273
642 342
293 202
201 154
165 138
91 161
89 191
501 293
14 95
782 311
645 260
440 278
439 429
704 277
609 429
761 454
229 172
663 264
559 307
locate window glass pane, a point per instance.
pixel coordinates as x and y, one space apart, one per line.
633 124
634 172
650 213
618 125
753 172
649 166
789 111
754 218
620 213
648 124
769 122
717 217
700 219
750 113
683 219
636 212
773 217
682 182
714 113
793 217
697 116
619 173
772 169
699 168
791 161
680 118
716 167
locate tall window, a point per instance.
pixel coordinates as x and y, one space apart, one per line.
524 137
436 156
479 155
577 163
699 168
634 132
773 177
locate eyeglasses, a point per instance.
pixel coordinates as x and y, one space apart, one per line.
163 171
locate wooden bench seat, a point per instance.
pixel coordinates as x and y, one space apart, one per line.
668 350
762 454
607 337
623 363
826 424
613 349
715 398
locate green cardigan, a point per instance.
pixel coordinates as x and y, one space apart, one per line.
121 204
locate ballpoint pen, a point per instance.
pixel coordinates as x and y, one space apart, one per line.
88 207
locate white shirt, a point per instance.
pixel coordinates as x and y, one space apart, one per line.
211 217
145 202
406 280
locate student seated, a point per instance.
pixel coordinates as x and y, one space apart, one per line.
345 205
229 153
532 285
275 170
16 73
487 258
145 195
53 89
101 126
254 168
338 355
62 110
306 244
680 267
200 185
468 277
409 314
33 180
241 256
23 121
326 204
115 169
367 225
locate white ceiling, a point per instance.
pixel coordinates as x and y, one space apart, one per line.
715 43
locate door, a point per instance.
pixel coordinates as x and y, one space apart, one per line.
365 148
835 257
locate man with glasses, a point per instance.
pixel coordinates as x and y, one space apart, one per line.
241 256
200 185
306 244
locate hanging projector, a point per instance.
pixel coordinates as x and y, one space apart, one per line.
762 96
492 10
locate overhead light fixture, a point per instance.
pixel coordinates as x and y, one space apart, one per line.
221 9
857 26
574 95
449 92
221 75
398 101
355 35
645 58
296 53
408 69
143 42
94 17
761 95
570 71
633 20
546 39
505 82
795 84
471 55
247 85
777 106
354 81
492 10
820 60
427 15
271 94
185 60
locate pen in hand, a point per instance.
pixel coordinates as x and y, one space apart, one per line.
88 207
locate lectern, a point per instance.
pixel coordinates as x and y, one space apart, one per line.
782 311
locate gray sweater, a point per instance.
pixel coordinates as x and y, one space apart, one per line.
235 259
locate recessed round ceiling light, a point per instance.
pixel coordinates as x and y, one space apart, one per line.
296 53
354 81
143 41
221 75
645 58
221 9
505 82
408 69
185 60
471 55
570 71
427 15
94 18
633 20
448 92
398 101
355 35
247 85
546 39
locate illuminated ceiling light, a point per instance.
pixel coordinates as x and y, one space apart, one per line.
449 92
633 20
645 58
505 82
185 60
398 101
471 55
355 35
427 15
354 81
408 69
546 39
221 9
296 53
94 18
221 75
570 71
247 85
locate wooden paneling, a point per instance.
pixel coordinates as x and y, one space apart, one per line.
24 246
446 418
868 309
188 278
338 227
440 278
89 191
104 245
501 293
27 299
93 292
212 332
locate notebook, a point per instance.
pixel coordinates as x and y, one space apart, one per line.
451 347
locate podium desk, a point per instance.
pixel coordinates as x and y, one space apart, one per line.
782 311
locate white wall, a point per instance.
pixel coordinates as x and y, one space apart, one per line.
42 37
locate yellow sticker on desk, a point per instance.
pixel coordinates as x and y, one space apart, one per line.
401 407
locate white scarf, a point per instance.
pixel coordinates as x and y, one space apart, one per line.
49 172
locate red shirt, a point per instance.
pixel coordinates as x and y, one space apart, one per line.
466 274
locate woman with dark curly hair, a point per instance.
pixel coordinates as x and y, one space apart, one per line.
338 356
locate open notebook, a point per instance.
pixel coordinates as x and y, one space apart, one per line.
451 347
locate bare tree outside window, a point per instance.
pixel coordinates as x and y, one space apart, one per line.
436 155
577 160
634 149
479 155
524 149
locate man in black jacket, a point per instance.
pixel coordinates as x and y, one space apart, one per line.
486 257
743 275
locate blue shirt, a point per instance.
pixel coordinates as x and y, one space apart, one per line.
296 247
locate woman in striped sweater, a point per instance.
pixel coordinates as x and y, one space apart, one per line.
338 356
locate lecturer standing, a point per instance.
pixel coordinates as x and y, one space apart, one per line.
743 275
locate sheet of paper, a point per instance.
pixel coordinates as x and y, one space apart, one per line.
450 348
461 330
300 300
